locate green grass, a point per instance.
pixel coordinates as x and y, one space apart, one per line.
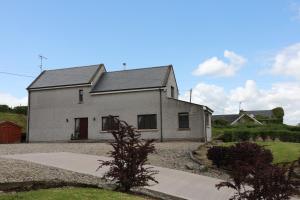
19 119
282 151
70 193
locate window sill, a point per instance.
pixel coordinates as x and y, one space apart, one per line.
184 129
147 130
105 131
80 102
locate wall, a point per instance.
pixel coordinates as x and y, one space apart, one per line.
51 109
172 82
171 108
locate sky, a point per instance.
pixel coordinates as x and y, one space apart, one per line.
226 51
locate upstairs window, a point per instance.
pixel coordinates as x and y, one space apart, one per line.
183 119
80 96
172 92
147 121
110 123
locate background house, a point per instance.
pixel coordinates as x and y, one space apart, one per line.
251 116
74 103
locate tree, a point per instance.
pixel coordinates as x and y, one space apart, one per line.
20 110
130 154
278 114
5 108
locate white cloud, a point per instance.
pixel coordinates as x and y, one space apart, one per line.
284 94
217 67
12 101
295 8
214 95
287 61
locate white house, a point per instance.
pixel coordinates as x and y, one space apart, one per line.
74 103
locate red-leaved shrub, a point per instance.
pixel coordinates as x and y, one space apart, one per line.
130 154
254 177
245 152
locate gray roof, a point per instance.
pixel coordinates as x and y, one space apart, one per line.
133 79
63 77
229 118
266 113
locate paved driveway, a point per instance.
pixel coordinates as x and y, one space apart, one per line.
172 182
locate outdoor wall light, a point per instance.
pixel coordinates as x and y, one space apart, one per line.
94 118
67 120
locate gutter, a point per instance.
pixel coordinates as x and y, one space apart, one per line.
204 124
161 121
28 118
126 90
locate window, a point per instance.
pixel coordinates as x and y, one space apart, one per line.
183 119
147 121
110 123
172 92
80 96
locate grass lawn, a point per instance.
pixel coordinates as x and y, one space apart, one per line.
282 151
70 193
16 118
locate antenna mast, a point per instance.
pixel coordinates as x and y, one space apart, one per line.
41 57
124 64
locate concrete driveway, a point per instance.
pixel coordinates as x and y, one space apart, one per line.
172 182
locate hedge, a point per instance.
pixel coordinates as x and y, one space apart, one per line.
245 135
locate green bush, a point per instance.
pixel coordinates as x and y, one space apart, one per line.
242 134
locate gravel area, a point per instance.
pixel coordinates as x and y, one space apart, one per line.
169 154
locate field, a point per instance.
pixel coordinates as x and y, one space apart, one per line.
19 119
70 193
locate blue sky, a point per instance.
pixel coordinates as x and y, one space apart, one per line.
153 33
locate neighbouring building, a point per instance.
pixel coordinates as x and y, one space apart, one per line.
251 116
74 103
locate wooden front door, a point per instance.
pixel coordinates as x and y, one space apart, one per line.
81 124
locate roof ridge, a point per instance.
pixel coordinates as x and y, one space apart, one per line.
74 67
143 68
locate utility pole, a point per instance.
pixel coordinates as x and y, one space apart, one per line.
41 57
191 91
124 64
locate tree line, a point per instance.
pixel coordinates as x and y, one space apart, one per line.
17 109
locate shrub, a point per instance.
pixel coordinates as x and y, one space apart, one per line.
262 181
248 153
293 128
218 155
244 134
130 154
245 152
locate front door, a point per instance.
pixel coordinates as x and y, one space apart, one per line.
81 128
